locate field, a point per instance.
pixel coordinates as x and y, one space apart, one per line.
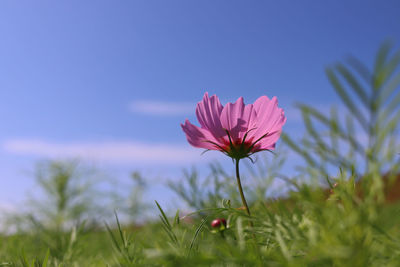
312 227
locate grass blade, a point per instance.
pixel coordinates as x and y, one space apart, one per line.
196 234
354 84
346 99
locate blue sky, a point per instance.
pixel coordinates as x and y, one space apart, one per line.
110 81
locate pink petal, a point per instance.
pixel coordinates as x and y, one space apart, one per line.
270 141
232 119
199 137
208 112
249 115
270 118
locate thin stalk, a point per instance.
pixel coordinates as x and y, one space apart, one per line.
246 206
240 188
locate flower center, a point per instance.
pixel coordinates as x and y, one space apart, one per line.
239 150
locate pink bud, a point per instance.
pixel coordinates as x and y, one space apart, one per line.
217 222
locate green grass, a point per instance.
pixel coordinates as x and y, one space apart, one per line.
307 229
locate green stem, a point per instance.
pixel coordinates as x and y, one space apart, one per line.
241 189
246 206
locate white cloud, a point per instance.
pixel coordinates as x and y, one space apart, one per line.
6 207
110 152
162 108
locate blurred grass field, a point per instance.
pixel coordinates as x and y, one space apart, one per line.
307 229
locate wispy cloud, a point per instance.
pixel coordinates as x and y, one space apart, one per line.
110 152
6 207
160 108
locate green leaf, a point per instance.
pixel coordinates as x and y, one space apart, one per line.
389 88
24 261
391 107
196 234
311 130
386 70
176 219
292 144
354 84
163 215
46 258
346 99
113 238
282 244
382 56
166 225
334 127
362 70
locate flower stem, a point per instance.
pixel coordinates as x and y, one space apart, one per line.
241 189
246 206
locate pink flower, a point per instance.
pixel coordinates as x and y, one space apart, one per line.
238 130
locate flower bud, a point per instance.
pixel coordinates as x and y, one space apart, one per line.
217 223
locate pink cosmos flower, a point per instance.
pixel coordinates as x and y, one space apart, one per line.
236 129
